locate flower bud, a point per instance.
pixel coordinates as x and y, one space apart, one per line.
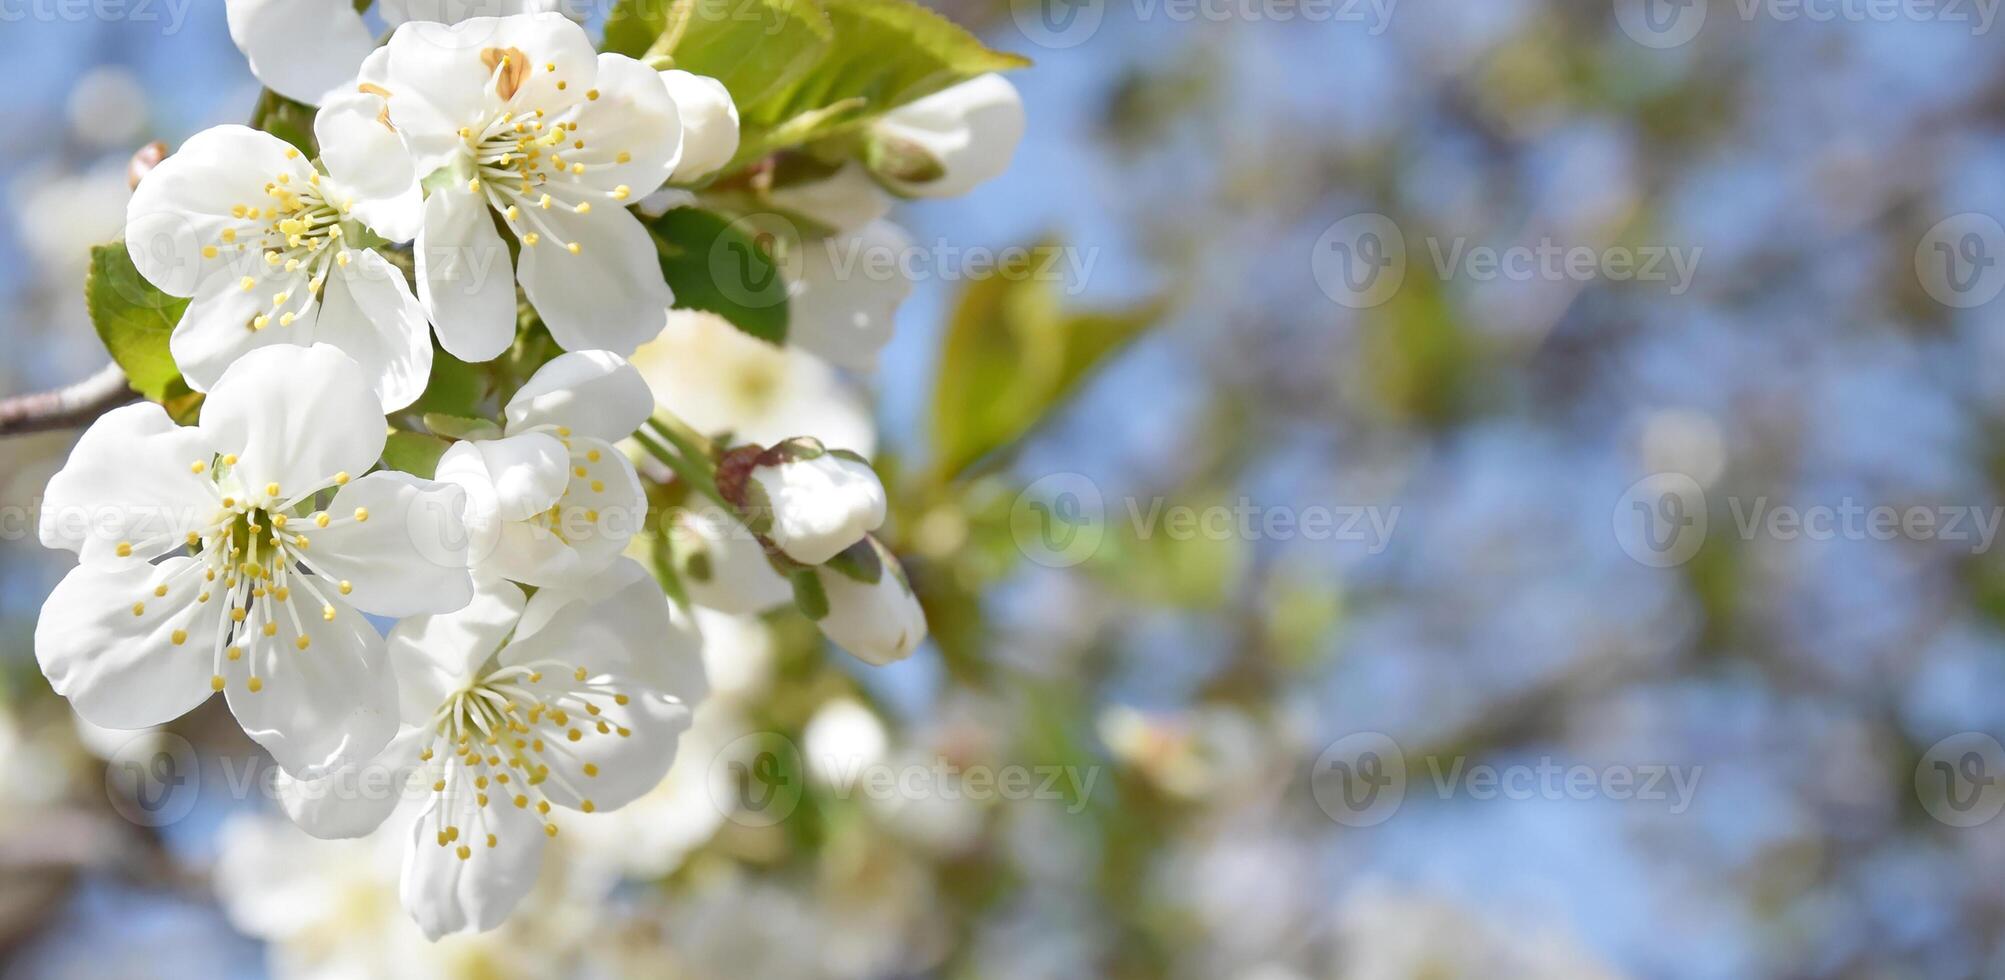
812 503
867 605
709 124
143 162
948 142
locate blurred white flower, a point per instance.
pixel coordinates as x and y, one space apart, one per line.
842 740
947 143
108 107
1385 933
719 380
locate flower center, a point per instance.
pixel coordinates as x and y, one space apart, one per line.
499 734
527 160
297 231
252 561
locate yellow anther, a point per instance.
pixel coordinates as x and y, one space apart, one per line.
197 466
473 185
550 830
361 514
440 787
327 613
287 320
521 802
464 852
271 489
271 629
598 486
513 213
178 637
490 840
574 248
230 459
346 587
255 685
248 284
235 653
584 207
303 642
624 157
260 322
574 734
591 769
531 239
209 251
342 259
622 192
592 94
124 549
160 591
341 478
586 806
216 682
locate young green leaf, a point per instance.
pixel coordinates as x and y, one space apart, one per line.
755 47
634 26
133 319
414 453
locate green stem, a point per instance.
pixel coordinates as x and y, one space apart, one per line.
685 466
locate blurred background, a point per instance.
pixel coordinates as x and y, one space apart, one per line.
1489 489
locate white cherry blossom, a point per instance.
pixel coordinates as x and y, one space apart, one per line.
574 698
555 500
709 123
518 116
872 612
260 240
239 555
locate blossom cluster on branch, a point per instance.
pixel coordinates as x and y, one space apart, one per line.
397 389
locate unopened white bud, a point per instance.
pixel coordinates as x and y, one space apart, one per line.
970 130
871 612
819 504
709 124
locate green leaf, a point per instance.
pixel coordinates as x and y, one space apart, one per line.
134 320
1011 355
454 388
716 265
414 453
887 53
461 427
634 26
755 47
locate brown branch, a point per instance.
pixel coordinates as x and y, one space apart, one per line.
67 407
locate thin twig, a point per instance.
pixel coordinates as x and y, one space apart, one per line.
67 407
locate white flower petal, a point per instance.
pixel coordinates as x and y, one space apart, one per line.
355 801
369 313
709 123
653 643
594 393
440 79
603 506
410 554
436 656
972 129
300 49
608 296
396 12
512 479
844 303
464 276
719 379
295 416
185 203
633 115
367 161
215 331
130 480
122 670
318 709
446 893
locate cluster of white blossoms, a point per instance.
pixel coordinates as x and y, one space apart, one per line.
478 179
